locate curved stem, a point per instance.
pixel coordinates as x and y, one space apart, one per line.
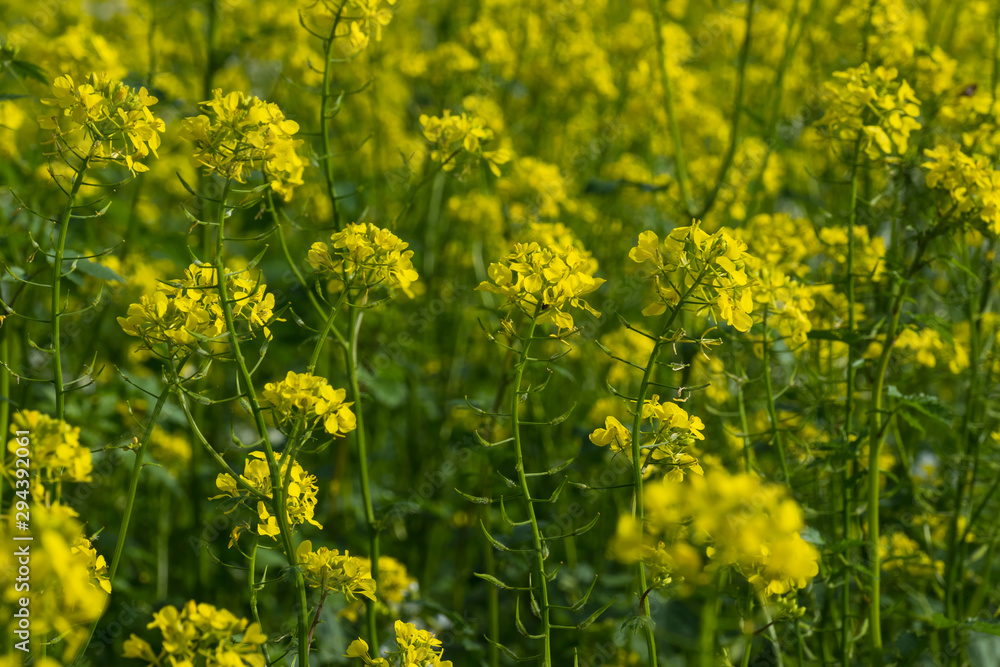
351 354
668 101
727 161
324 110
515 402
772 414
127 515
252 586
63 229
278 504
637 503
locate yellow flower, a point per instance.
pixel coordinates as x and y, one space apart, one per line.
104 111
186 314
364 256
543 282
309 397
55 447
240 134
300 502
330 570
200 630
709 269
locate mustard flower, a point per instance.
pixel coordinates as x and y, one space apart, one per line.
394 583
710 268
300 503
200 633
872 106
544 281
239 134
69 586
331 571
108 113
413 647
453 134
309 397
364 256
186 314
55 447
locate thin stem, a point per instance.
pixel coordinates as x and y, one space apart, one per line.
846 636
127 515
772 414
315 621
252 586
278 504
668 101
637 504
877 436
351 352
324 121
63 229
515 402
727 161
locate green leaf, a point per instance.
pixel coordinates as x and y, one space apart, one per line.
496 582
593 617
479 500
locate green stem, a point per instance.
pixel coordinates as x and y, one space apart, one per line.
351 354
127 515
324 121
877 436
252 586
278 504
637 505
536 537
846 635
772 414
63 229
727 161
668 101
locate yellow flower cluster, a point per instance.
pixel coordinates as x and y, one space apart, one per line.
394 583
868 251
453 134
184 313
669 431
97 565
364 256
973 184
200 634
329 570
926 346
873 107
68 583
300 502
543 281
899 553
533 190
737 520
56 451
310 398
413 647
108 112
242 134
788 301
709 268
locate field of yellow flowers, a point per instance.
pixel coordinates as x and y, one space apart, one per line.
439 332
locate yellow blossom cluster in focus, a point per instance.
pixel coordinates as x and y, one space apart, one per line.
300 501
110 116
239 134
200 634
309 397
